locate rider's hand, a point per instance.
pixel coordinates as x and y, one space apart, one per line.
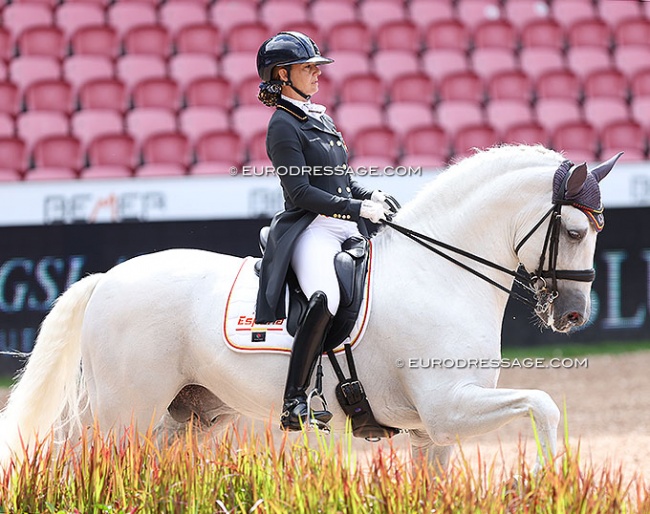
387 201
373 211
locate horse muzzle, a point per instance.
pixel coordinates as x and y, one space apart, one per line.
570 310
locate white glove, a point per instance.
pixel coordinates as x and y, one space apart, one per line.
387 201
372 211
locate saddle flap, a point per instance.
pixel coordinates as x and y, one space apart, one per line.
349 265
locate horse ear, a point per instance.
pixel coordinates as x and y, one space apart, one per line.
601 171
576 180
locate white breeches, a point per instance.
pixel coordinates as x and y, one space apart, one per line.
313 257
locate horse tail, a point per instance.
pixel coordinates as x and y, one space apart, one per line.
49 392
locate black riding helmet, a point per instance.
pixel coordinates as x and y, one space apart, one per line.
285 49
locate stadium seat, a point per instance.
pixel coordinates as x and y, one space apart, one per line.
156 92
455 114
59 151
247 90
202 38
167 148
462 85
222 146
567 12
50 174
377 142
403 116
123 16
503 114
401 35
510 85
327 92
479 135
19 16
353 36
487 62
498 33
589 32
328 13
537 61
34 125
608 82
234 66
603 110
209 92
151 39
143 122
50 95
25 70
626 136
87 124
80 69
105 172
553 112
274 13
354 117
160 170
529 133
577 139
632 31
438 63
640 83
6 44
421 13
95 40
45 40
448 34
389 64
103 94
375 13
9 98
412 87
559 83
473 13
13 158
631 59
3 71
175 15
364 88
582 60
134 68
640 108
543 33
194 122
72 17
113 149
226 14
348 63
521 12
256 147
615 12
6 125
249 119
247 37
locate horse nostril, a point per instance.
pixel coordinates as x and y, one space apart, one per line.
574 317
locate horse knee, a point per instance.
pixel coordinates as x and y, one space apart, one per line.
544 409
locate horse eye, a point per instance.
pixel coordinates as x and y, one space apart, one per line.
575 234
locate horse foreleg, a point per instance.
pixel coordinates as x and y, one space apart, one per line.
476 410
423 449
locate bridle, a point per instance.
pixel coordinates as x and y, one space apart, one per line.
537 283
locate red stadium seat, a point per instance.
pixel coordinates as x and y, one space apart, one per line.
202 38
45 40
476 12
175 15
423 13
632 31
275 13
529 133
223 146
96 40
377 142
487 62
602 110
247 37
3 71
578 139
19 16
478 135
113 149
627 136
403 116
104 94
209 92
521 12
26 70
559 83
448 34
567 12
9 98
328 13
185 68
123 16
632 59
50 174
553 112
35 125
156 92
389 64
167 148
249 119
6 125
582 60
543 32
145 121
348 63
640 108
539 61
608 82
615 12
247 90
510 85
50 95
503 114
351 35
60 151
352 118
227 14
463 85
151 39
365 88
438 63
194 122
13 157
401 35
72 17
159 170
375 13
105 172
80 69
256 147
6 44
134 68
640 83
455 114
498 33
412 87
590 32
326 91
88 124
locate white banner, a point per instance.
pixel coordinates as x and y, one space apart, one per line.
222 197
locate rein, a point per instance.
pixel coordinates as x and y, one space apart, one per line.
535 283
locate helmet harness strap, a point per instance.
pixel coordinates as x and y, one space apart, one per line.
290 84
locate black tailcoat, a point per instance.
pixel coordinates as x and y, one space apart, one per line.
310 159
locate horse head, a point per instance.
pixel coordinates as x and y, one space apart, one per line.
563 268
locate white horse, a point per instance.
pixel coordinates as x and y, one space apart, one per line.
120 346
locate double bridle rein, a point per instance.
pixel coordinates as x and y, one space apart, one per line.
537 283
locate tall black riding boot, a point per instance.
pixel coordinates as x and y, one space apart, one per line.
307 347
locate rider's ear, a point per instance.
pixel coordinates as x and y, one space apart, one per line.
576 180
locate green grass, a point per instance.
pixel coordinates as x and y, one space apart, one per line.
571 349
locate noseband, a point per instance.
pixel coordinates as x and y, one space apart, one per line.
536 283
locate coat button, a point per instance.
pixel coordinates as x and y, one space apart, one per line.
339 143
348 189
331 143
340 190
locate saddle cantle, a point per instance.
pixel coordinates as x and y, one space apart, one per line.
351 266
